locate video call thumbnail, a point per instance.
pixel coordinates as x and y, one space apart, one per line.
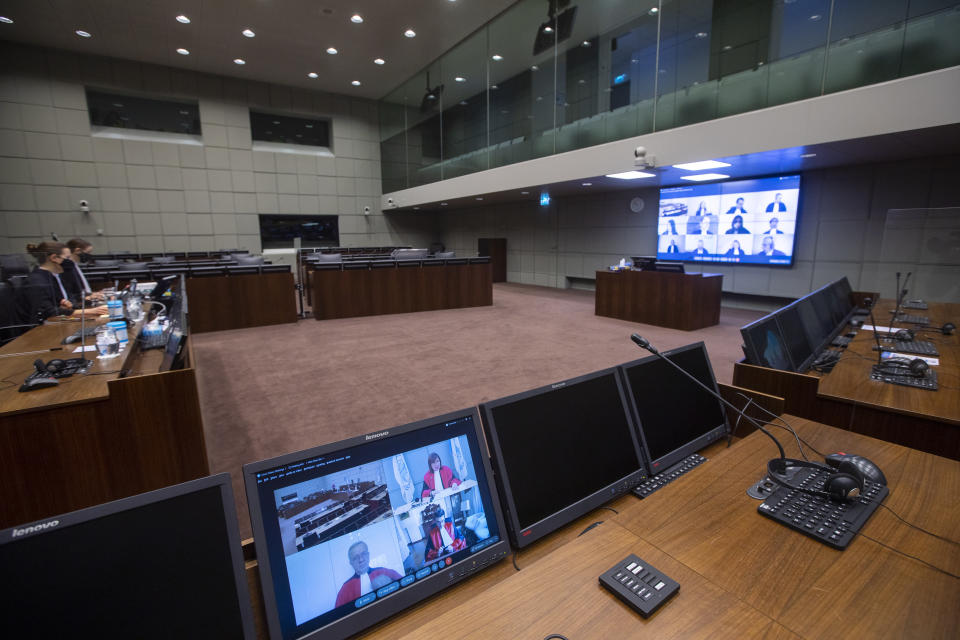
369 530
748 221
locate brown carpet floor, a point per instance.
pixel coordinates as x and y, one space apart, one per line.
272 390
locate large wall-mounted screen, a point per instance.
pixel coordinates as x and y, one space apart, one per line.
743 221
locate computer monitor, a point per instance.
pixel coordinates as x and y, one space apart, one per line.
164 564
764 344
350 533
799 345
163 285
676 417
561 451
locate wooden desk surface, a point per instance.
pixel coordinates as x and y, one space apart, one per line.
850 379
741 575
72 390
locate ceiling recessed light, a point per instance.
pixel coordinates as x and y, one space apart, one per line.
308 126
460 79
630 175
410 33
356 18
524 193
463 103
416 208
815 17
443 204
494 87
6 20
653 10
701 34
313 74
548 29
239 61
700 166
586 43
332 51
183 52
701 177
587 184
118 105
276 122
248 32
182 19
535 68
82 33
379 61
807 155
479 198
497 57
355 83
727 47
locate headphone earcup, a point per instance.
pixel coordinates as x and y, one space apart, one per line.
948 328
843 486
919 367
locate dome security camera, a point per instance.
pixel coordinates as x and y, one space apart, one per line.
640 152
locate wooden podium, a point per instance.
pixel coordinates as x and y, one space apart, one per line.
685 301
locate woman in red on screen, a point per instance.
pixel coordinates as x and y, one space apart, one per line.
442 537
438 476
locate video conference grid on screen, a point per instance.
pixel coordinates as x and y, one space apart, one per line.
744 221
353 527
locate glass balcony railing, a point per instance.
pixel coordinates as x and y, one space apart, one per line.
549 76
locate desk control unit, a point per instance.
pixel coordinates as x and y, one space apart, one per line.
829 521
667 476
913 347
642 587
928 381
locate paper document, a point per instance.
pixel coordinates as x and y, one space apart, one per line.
89 347
933 362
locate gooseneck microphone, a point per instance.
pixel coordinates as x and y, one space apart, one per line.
876 331
643 343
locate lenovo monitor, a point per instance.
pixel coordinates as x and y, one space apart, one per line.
675 416
164 564
350 533
561 451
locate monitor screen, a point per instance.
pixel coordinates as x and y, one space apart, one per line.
799 346
279 231
743 221
676 416
164 564
352 532
560 451
765 345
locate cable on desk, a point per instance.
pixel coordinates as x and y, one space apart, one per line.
932 566
595 524
906 522
555 636
610 509
515 554
788 427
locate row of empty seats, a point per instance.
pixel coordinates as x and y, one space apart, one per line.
390 263
191 270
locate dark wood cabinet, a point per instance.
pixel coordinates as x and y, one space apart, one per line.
496 248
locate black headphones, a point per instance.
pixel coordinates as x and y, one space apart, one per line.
845 483
947 329
916 367
52 367
904 335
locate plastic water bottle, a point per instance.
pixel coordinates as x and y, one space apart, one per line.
107 344
115 308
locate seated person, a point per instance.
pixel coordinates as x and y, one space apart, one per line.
44 294
768 249
735 249
437 477
672 247
773 228
74 281
736 226
777 204
365 578
700 250
442 537
738 208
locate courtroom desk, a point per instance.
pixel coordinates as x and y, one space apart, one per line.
241 301
97 436
847 398
740 574
685 301
350 293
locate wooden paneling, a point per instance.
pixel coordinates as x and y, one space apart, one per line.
847 397
365 292
238 302
96 437
496 248
685 301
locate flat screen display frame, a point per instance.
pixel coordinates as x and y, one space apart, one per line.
278 230
755 349
716 432
220 481
682 224
522 536
495 548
